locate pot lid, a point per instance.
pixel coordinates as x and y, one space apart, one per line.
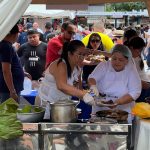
63 102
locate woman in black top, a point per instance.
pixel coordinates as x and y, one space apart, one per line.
94 43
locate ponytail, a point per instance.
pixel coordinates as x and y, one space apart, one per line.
64 56
138 43
69 47
141 64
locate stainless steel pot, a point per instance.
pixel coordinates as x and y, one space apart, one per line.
32 117
63 111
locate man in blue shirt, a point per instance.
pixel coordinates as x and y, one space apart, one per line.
11 71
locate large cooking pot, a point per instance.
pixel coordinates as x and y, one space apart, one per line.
63 111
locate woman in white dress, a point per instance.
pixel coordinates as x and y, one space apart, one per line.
117 79
61 74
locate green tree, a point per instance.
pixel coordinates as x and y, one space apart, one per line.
125 6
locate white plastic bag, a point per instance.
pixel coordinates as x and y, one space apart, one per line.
27 86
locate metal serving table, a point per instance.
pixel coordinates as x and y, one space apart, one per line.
71 136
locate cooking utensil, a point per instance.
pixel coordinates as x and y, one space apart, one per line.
63 111
119 115
102 120
32 117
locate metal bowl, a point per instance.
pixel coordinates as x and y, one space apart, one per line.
33 117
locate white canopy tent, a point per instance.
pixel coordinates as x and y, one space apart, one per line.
64 14
10 12
38 14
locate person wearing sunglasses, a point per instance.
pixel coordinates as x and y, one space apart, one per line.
61 74
54 49
94 44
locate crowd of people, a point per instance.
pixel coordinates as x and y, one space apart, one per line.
64 60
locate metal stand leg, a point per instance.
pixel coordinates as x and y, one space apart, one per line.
129 138
40 138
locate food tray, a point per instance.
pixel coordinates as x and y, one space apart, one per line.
119 115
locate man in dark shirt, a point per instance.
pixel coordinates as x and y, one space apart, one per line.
48 30
33 54
11 71
22 37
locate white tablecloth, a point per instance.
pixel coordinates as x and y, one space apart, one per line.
142 137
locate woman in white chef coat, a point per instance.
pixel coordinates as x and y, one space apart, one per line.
117 79
61 74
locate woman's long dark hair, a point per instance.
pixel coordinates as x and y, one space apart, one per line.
89 44
137 43
128 34
69 47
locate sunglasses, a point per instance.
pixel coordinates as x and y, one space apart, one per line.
93 41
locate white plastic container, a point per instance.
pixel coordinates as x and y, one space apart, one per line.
27 86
